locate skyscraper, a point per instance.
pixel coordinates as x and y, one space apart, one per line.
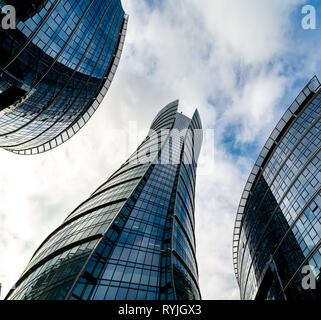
277 235
55 69
133 238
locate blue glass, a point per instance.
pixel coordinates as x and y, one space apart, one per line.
140 224
278 226
60 63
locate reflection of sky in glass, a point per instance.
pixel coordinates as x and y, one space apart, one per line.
288 226
58 39
137 257
63 68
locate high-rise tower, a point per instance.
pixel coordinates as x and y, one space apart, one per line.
133 238
277 235
55 69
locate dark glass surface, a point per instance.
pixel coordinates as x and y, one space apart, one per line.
63 55
133 238
281 223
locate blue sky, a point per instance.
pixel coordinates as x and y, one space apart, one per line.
241 63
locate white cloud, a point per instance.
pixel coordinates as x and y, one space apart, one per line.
222 57
251 31
254 105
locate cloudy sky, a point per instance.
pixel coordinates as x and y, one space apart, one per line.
241 63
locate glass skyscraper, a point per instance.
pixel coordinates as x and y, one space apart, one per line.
55 69
278 225
133 238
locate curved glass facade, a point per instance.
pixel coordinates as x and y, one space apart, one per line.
133 238
56 67
278 225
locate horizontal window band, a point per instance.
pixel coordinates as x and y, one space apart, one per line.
54 254
67 222
112 187
119 172
164 116
102 191
186 268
